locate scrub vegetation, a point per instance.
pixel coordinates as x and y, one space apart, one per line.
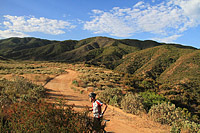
161 80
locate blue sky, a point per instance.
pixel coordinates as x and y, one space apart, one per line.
169 21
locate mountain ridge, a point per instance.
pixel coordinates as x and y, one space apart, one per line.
125 55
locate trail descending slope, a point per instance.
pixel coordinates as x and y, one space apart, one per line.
60 87
120 122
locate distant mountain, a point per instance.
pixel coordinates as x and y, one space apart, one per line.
96 49
145 58
16 44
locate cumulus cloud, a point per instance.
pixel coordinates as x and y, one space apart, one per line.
108 23
19 25
168 19
191 9
8 33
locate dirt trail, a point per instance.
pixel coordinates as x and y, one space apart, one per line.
120 122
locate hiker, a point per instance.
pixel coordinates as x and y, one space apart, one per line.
97 113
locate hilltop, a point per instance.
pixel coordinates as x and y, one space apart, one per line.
91 49
95 50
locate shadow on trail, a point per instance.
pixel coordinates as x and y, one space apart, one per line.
80 106
73 105
48 80
49 90
63 97
59 95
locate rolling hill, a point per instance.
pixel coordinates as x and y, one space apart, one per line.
176 69
127 55
96 49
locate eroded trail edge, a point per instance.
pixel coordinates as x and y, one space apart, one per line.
120 122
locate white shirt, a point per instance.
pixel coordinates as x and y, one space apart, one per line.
97 108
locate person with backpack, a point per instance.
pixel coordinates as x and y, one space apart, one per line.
97 111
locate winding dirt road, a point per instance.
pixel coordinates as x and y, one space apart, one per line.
120 122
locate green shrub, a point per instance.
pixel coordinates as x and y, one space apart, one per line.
111 96
175 129
148 84
81 91
151 98
133 104
191 127
185 126
75 82
165 113
179 119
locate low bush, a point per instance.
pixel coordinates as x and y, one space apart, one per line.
19 90
133 104
74 82
165 113
185 126
41 117
179 119
111 96
151 98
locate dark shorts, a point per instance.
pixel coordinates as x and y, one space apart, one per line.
97 124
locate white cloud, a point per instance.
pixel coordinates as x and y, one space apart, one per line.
8 33
140 5
169 39
191 9
108 23
18 25
167 19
